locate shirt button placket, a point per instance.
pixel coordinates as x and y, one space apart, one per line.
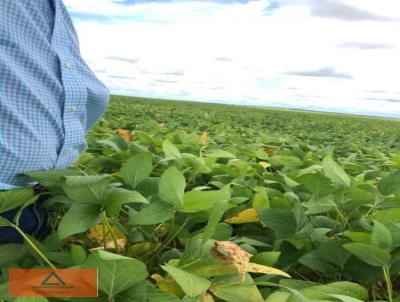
72 108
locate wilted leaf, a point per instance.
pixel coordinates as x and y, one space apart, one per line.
231 253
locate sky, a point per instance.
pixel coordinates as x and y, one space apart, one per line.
328 55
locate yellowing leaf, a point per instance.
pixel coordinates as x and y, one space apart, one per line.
126 135
264 164
207 298
263 269
96 233
141 249
203 138
168 285
246 216
121 243
269 150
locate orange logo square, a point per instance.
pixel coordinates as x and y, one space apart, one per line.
60 283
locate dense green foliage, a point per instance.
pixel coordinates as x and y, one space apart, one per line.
213 202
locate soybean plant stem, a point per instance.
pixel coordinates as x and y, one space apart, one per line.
168 240
105 221
35 248
389 285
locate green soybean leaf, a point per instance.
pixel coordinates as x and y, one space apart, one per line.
149 293
12 199
154 213
315 262
345 298
196 201
285 161
317 184
360 237
387 216
137 293
78 254
300 217
266 258
280 220
216 214
160 296
110 144
260 199
137 168
116 273
296 295
86 189
78 219
116 197
52 179
344 288
191 284
370 254
11 253
381 236
390 184
170 150
278 296
335 172
320 206
239 291
172 187
333 252
223 231
148 187
220 154
4 222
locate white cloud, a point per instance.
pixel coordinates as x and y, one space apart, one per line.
237 53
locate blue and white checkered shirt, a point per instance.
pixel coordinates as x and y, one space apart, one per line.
49 98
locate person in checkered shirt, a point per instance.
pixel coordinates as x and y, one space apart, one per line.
49 99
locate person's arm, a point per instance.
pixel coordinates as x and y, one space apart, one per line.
49 98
